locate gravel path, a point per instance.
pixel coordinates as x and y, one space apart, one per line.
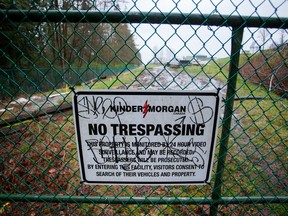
159 78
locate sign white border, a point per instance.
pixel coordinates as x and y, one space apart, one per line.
84 117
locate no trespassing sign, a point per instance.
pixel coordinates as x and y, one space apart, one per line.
146 137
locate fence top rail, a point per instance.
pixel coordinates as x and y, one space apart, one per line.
142 17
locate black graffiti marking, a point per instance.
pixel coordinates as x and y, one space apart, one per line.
92 143
96 106
101 155
195 157
181 120
200 114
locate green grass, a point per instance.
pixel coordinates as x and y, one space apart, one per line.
124 79
258 143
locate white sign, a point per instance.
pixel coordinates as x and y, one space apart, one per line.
146 137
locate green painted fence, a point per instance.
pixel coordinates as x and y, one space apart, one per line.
39 171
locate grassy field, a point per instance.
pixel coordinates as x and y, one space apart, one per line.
41 158
257 151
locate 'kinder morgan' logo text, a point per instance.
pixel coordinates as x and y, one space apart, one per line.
147 108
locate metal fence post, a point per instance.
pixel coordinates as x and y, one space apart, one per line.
237 35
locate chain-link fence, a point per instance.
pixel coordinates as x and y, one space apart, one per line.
238 47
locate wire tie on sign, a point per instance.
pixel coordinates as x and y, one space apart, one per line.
73 90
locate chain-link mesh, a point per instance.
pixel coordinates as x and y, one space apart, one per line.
49 46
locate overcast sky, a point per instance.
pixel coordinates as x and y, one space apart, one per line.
188 40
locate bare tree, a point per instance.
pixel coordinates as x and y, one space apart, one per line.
283 36
263 35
